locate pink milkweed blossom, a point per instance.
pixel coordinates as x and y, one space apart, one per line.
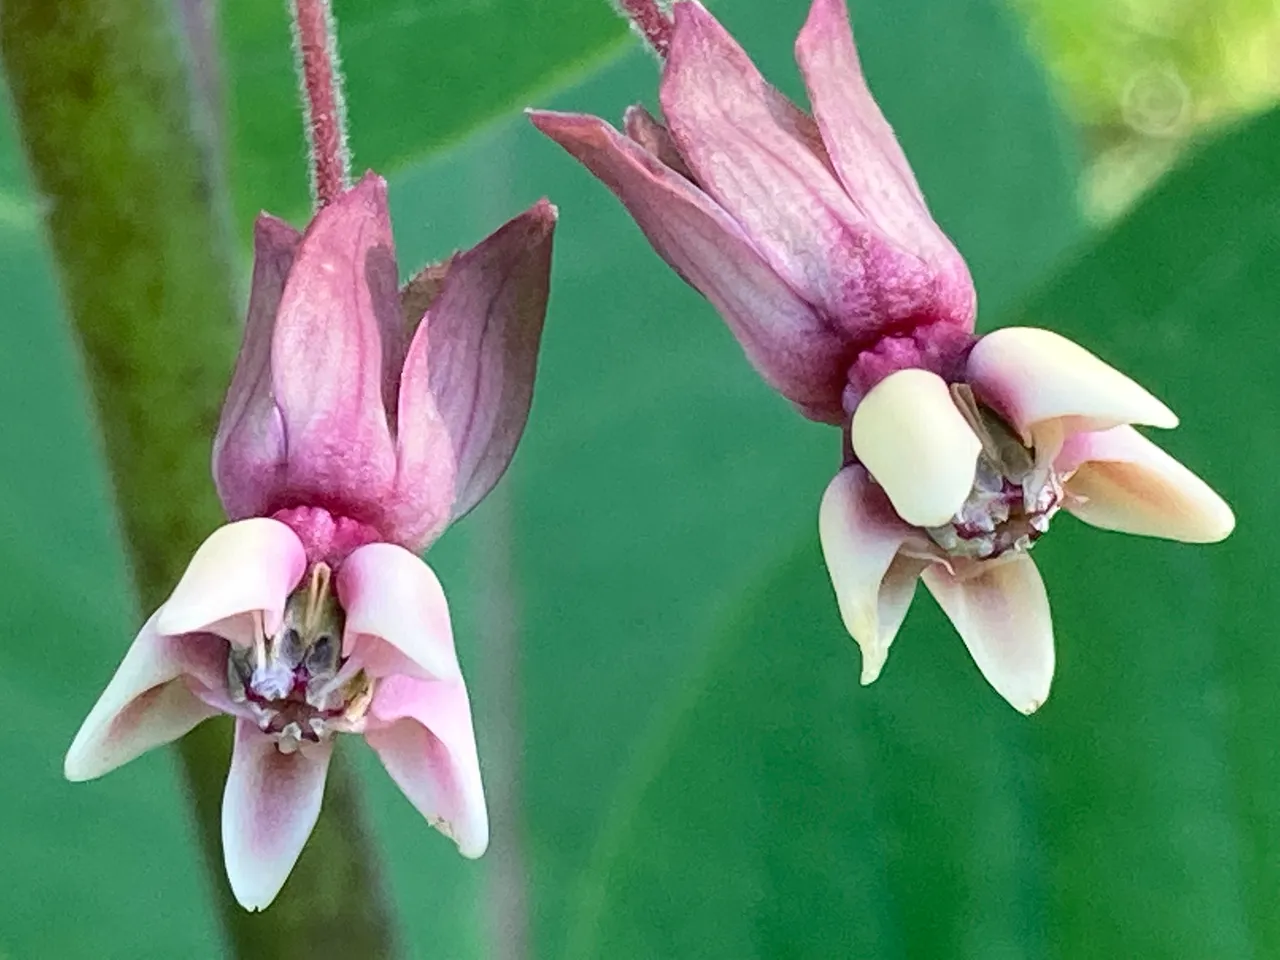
811 238
361 421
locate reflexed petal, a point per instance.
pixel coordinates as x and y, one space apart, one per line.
468 379
337 347
860 542
1001 611
248 451
1032 375
909 434
866 154
245 568
269 808
746 145
792 347
148 702
421 730
397 616
1125 482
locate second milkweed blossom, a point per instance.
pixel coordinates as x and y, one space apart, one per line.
812 239
361 421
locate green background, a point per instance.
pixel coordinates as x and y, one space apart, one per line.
680 759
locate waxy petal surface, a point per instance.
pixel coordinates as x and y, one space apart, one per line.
336 351
742 140
1124 482
796 351
861 538
422 732
909 434
1031 375
149 701
1001 611
468 378
867 157
249 449
269 808
243 571
397 615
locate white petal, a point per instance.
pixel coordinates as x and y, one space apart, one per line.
1031 375
910 435
397 615
860 542
1125 482
245 568
270 806
1001 612
422 732
147 703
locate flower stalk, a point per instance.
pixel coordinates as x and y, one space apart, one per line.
651 21
315 47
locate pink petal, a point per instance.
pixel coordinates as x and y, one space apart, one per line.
397 616
237 582
1001 611
744 143
793 348
468 379
269 808
336 351
150 701
866 154
640 126
421 730
861 538
913 439
1123 481
1031 376
248 451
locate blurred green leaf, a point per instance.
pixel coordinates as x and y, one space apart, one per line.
419 74
785 812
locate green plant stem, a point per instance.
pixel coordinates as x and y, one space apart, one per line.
103 105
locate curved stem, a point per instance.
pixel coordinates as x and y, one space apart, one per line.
103 106
315 46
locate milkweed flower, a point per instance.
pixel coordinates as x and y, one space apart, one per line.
360 422
812 239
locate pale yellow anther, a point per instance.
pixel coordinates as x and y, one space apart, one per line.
915 443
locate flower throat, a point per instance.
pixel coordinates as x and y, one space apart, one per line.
296 682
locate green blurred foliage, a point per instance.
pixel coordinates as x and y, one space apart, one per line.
699 772
1146 77
1160 67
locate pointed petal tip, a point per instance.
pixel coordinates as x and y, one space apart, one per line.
860 547
1032 375
1127 483
909 434
1001 611
545 211
270 805
872 665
